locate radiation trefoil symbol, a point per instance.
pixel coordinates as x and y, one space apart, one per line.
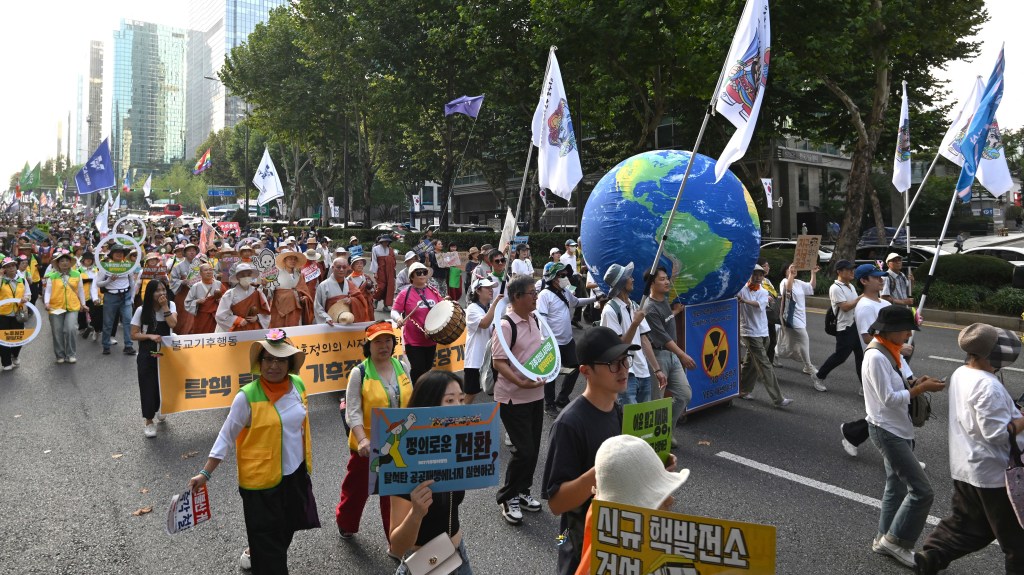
715 353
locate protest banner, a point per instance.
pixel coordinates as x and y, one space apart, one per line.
37 234
650 421
456 446
424 247
712 339
206 371
124 266
311 271
449 260
228 227
806 256
29 331
354 252
188 509
160 271
627 539
545 362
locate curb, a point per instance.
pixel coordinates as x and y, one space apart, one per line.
960 318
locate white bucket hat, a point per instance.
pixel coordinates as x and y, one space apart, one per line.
629 472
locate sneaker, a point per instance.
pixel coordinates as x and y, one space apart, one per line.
901 554
850 448
17 361
747 396
393 556
8 367
921 463
106 351
129 351
346 535
245 561
161 417
876 547
150 430
551 410
785 401
810 370
113 341
818 383
528 503
511 512
72 359
92 336
60 360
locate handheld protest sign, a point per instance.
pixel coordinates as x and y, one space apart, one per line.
650 421
132 226
545 362
188 509
266 264
20 337
124 266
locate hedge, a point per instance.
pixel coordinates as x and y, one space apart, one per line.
965 269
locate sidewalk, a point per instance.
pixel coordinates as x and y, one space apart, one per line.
960 318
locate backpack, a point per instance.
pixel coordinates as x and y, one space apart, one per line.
920 408
512 324
831 322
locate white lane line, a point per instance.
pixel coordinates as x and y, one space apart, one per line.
832 489
961 361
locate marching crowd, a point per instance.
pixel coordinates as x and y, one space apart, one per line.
190 284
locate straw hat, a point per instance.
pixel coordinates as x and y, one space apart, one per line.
313 255
628 471
277 345
284 255
341 313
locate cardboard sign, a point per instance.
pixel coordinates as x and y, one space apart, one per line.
449 260
311 271
159 271
37 234
354 252
713 341
627 539
425 247
652 422
188 509
266 264
456 446
806 257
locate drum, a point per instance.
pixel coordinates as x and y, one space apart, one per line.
445 322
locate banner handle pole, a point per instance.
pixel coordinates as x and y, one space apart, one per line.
469 138
938 252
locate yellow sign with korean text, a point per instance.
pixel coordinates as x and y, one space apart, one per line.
206 371
626 539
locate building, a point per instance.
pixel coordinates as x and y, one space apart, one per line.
80 143
94 117
215 27
148 105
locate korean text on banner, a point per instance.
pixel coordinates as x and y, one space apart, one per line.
713 340
188 509
627 539
206 371
456 446
806 256
650 421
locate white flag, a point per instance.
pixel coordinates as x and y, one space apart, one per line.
267 180
993 173
508 231
901 162
558 159
102 211
147 186
742 85
767 183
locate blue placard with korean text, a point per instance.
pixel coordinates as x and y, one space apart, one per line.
456 446
713 341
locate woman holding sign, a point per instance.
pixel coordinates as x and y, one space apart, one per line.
12 286
420 517
269 425
380 381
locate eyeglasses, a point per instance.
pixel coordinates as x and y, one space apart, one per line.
530 293
420 273
616 366
499 261
272 359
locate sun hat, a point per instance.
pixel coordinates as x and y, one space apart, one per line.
757 268
242 268
417 267
277 345
867 270
410 255
893 256
616 278
357 259
601 345
340 250
551 270
8 261
385 238
279 260
62 254
1000 346
375 330
894 318
313 255
353 239
621 460
482 283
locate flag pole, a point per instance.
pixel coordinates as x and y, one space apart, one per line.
938 251
529 153
469 138
906 215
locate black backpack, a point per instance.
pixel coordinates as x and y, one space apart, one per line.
831 321
512 324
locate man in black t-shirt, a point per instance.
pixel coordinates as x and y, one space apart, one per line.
579 431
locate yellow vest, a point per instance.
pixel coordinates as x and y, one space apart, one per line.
375 396
64 294
8 291
258 447
33 268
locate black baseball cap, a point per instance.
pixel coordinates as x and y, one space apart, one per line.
845 265
601 345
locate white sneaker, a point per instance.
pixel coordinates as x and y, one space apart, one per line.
60 360
150 430
113 341
245 561
17 361
511 512
93 336
528 503
72 359
161 417
850 448
785 401
8 367
810 370
901 554
876 547
818 384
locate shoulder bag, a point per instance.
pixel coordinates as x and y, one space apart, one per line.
920 408
439 555
1015 478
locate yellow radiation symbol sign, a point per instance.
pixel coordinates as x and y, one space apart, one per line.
715 353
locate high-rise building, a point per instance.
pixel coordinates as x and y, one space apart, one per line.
94 118
79 113
215 27
148 105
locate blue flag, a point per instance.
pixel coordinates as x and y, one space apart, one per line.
977 132
468 105
98 173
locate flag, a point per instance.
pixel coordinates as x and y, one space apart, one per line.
979 131
993 172
202 207
767 183
22 180
148 185
558 159
96 174
468 105
117 202
206 235
267 180
102 215
741 88
30 179
508 231
126 185
203 164
901 162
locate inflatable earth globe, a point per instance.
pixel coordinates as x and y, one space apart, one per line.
715 237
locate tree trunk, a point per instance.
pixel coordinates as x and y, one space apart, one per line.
876 208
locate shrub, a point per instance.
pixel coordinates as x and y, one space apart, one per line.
955 297
1005 301
964 269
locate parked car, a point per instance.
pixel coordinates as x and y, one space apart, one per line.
878 252
1011 254
824 253
564 229
870 237
475 228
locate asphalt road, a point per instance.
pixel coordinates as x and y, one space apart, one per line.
75 465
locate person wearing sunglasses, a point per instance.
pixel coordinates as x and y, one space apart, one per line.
410 313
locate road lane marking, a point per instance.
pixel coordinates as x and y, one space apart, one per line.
961 361
813 483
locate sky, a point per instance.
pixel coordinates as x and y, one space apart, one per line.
46 47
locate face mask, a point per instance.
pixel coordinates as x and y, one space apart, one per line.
563 283
244 282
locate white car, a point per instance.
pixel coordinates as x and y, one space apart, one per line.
1011 254
824 254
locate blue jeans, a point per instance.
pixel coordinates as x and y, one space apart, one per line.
63 327
112 305
908 494
464 569
638 390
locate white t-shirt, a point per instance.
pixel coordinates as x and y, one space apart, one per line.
801 290
839 293
866 313
753 321
886 397
979 409
570 260
610 319
477 339
158 315
522 268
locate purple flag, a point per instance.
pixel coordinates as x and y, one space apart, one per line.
468 105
